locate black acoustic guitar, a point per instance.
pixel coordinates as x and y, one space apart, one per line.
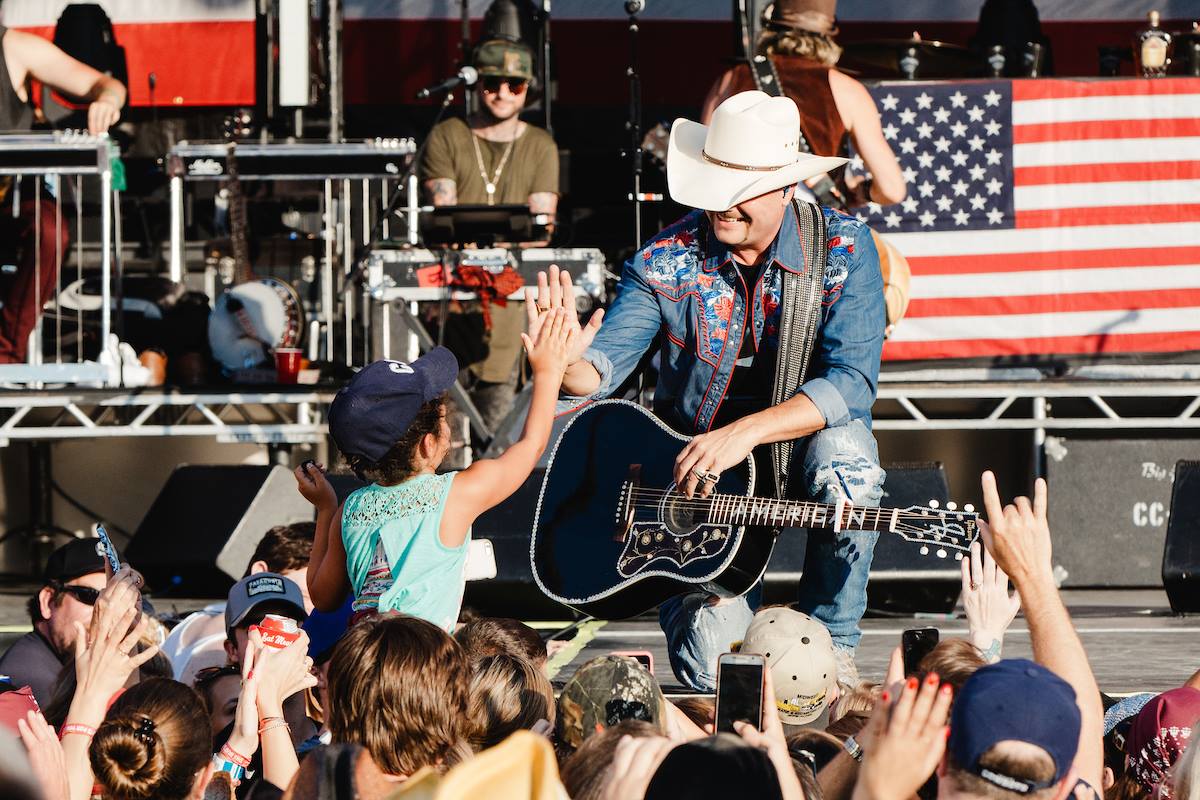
613 538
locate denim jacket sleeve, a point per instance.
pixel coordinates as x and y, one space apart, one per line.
845 371
629 328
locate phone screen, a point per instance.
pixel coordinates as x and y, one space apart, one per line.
643 659
739 694
110 552
915 644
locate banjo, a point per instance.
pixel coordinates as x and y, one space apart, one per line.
256 315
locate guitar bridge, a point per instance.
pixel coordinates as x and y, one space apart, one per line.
625 510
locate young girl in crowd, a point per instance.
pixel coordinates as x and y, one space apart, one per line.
401 543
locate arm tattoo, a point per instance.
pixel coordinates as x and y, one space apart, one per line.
442 191
992 654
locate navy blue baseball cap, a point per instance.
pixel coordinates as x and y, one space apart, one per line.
372 412
1014 700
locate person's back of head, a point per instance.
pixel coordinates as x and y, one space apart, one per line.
508 694
953 660
715 767
153 742
488 636
1014 731
585 771
399 685
283 549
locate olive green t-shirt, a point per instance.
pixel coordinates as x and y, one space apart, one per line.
532 166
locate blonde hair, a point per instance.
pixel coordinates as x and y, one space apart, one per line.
1185 775
508 694
861 699
804 44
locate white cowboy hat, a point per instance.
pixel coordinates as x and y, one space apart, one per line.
751 147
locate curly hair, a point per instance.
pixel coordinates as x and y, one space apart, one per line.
805 44
397 466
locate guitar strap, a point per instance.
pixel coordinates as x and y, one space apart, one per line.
800 309
766 78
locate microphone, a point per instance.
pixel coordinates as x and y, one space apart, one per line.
465 77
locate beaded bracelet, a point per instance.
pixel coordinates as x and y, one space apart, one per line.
266 728
229 753
82 730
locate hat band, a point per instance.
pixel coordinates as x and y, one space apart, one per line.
743 167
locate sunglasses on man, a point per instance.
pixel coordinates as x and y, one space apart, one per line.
492 83
84 594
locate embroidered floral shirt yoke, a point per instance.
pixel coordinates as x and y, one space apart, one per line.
720 323
394 555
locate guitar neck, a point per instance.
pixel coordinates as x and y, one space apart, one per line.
237 218
767 512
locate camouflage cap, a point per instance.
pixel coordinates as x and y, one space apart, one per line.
500 57
605 691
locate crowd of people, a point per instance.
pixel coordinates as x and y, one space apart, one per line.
389 704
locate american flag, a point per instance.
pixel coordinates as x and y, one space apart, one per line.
1045 217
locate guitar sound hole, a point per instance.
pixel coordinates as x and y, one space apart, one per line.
682 515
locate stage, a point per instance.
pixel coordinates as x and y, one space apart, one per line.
1120 629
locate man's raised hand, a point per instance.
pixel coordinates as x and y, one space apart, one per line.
556 291
1017 535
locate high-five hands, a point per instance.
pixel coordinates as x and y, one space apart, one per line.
558 292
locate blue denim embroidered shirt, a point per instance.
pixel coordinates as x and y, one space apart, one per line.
684 284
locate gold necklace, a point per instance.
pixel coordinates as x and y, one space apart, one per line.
490 185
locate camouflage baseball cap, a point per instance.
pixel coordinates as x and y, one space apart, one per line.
500 57
605 691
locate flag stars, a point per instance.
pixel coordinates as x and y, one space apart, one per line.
924 100
977 172
958 129
960 188
924 130
961 217
927 219
993 128
910 205
942 115
858 215
944 203
959 158
889 102
909 174
941 144
892 220
890 131
942 174
975 114
926 189
874 208
978 201
992 98
994 186
908 116
993 156
925 160
908 146
958 100
975 142
995 216
856 163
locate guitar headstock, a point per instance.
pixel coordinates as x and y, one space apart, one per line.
939 529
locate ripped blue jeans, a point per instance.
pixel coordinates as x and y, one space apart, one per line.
841 461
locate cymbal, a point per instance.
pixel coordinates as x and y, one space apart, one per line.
881 58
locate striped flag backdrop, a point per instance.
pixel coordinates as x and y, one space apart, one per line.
1045 217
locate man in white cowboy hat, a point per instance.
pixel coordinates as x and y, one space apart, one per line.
712 285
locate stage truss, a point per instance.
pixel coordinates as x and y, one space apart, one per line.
263 417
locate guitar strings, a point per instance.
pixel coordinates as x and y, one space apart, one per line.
902 519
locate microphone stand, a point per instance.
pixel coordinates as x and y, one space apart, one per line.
364 250
634 125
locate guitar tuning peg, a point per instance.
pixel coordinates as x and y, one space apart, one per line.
941 553
958 556
924 550
970 509
934 503
951 506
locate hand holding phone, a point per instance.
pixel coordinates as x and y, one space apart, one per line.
110 551
643 657
740 682
915 644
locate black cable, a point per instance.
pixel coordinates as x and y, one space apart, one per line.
81 508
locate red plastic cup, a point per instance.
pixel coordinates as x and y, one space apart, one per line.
287 364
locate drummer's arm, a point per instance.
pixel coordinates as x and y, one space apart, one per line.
858 111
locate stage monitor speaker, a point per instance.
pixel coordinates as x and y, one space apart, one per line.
199 534
1108 507
1181 554
902 580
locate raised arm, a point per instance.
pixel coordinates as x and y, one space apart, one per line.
857 108
1019 538
328 581
47 63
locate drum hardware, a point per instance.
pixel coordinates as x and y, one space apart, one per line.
910 59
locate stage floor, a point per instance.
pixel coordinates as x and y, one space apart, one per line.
1132 640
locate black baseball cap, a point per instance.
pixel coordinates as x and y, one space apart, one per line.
74 559
259 589
372 412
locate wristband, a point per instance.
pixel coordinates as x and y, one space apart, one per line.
229 753
853 748
236 771
266 728
82 730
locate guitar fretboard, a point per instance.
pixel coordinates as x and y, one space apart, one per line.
738 510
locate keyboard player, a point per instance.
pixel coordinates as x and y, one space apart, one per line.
493 157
